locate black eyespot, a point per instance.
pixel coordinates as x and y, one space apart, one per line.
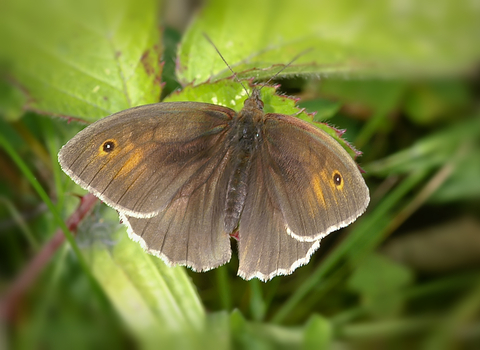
337 179
108 146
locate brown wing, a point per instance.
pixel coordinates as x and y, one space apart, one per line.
190 231
317 185
138 159
265 249
302 186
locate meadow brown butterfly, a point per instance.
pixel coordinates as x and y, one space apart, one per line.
186 176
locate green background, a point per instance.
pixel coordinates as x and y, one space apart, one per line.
400 76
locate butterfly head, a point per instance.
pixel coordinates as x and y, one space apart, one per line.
254 101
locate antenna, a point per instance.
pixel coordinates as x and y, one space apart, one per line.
269 80
231 70
286 66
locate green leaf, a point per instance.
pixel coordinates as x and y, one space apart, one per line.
378 275
318 333
84 59
156 302
464 182
379 282
325 109
11 102
231 94
433 150
256 335
377 95
434 101
368 37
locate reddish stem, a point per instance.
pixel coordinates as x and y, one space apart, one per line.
11 299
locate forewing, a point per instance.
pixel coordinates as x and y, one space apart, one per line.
319 187
265 249
156 150
190 230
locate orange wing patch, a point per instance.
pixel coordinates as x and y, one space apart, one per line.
129 155
317 181
135 156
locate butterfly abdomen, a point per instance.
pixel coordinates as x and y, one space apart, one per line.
245 135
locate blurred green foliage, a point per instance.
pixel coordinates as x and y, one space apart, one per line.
400 76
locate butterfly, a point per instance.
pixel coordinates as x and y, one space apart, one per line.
185 177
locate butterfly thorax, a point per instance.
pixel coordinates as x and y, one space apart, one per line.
245 135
